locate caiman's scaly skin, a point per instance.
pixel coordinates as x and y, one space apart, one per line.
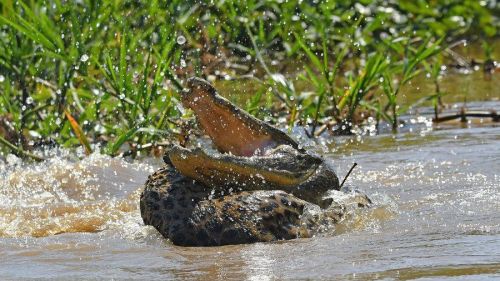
256 190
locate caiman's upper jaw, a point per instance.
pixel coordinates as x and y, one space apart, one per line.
231 129
196 88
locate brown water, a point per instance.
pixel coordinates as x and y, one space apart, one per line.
436 215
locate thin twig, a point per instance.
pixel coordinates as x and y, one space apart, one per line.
307 133
20 151
321 130
348 173
464 114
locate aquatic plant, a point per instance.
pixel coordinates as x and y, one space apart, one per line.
406 70
110 72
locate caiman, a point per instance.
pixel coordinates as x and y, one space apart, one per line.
256 188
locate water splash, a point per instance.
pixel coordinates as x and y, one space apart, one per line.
65 195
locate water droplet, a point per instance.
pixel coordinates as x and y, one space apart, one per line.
84 58
181 40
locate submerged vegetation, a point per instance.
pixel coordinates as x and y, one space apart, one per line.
107 74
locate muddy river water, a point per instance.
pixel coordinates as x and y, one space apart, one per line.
436 215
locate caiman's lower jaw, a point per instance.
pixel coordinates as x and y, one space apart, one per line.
283 169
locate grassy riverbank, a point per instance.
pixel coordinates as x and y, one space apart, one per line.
107 75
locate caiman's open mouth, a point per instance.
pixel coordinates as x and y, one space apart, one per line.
254 155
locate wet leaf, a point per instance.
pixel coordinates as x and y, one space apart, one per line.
122 139
78 132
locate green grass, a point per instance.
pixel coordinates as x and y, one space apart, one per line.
106 74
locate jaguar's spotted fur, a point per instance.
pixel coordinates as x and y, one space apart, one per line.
189 214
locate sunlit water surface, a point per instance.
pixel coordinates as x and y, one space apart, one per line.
436 215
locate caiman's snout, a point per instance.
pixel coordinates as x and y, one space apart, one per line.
196 90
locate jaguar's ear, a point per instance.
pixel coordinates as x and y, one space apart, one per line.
166 159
